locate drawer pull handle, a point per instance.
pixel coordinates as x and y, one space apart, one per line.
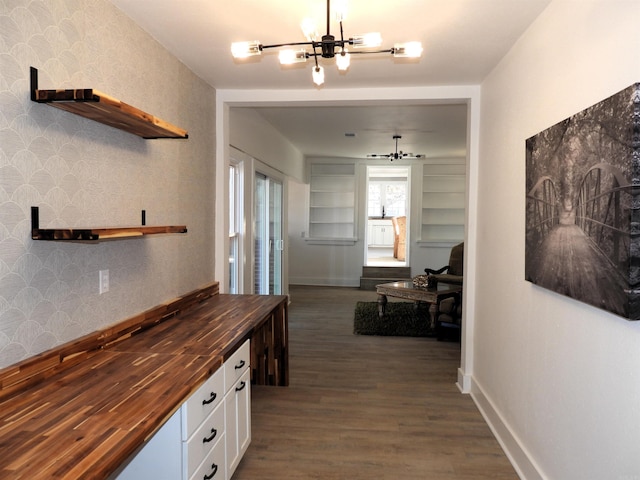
213 474
241 387
210 399
214 432
240 365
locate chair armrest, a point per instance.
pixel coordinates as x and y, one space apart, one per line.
436 272
448 278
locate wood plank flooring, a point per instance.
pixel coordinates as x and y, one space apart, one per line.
363 407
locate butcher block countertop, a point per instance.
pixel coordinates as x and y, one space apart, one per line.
87 411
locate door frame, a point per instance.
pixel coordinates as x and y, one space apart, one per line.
470 95
407 183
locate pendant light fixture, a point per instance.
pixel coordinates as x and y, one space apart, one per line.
327 47
397 155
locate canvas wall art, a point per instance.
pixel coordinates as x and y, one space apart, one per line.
583 205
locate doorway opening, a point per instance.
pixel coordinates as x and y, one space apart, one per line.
387 216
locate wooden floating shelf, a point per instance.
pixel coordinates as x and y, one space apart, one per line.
97 234
100 107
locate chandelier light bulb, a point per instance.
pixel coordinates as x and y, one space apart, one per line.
343 60
309 29
340 9
245 49
289 57
367 40
318 75
407 50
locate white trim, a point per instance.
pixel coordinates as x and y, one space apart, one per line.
221 196
331 241
437 243
464 381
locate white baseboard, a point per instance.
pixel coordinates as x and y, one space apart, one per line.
516 453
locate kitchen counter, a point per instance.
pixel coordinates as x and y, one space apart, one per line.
88 418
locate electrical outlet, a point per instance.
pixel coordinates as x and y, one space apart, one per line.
103 277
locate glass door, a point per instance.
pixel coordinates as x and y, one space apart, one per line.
268 235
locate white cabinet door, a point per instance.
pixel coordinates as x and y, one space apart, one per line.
238 426
381 233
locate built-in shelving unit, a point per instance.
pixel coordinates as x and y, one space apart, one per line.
100 107
332 203
443 202
97 234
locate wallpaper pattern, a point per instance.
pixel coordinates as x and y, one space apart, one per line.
83 173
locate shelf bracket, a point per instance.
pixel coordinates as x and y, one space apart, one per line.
34 83
35 219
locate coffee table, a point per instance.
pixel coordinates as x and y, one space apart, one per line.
406 290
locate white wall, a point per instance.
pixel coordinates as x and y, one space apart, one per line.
252 134
83 173
559 380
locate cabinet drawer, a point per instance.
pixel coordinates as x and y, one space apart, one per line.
213 466
200 405
206 437
236 365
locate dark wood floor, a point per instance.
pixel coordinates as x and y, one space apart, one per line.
362 407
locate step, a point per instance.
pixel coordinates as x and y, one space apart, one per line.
386 272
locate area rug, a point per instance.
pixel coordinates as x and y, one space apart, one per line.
400 319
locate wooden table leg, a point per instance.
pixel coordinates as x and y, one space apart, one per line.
433 313
382 302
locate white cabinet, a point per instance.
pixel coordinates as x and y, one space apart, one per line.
206 438
380 233
237 402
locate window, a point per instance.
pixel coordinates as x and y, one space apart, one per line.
388 195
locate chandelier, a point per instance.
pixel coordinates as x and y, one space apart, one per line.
327 47
395 155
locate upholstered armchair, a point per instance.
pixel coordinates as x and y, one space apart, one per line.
451 273
450 309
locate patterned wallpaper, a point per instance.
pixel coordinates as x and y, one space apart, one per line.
83 173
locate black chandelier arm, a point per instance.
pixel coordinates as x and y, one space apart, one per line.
364 52
318 44
291 44
315 56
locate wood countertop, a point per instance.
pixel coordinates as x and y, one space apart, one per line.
87 419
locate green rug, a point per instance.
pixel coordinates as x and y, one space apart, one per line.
400 319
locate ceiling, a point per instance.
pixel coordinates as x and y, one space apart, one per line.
463 41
